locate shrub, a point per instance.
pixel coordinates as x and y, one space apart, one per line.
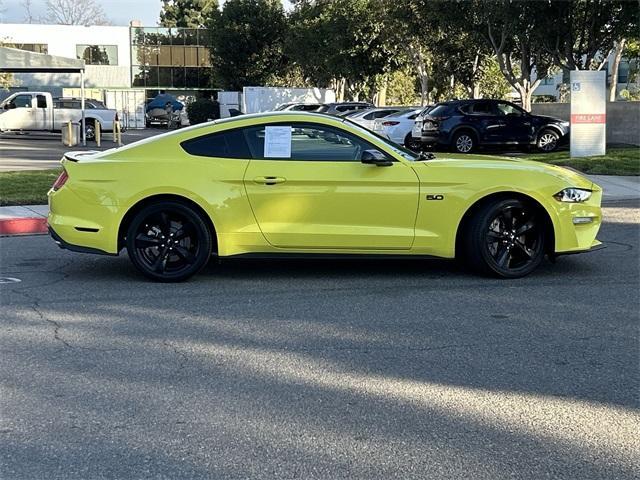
202 110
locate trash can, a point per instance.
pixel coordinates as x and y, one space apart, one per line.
71 136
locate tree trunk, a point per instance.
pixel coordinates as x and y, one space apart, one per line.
424 90
613 91
476 90
381 95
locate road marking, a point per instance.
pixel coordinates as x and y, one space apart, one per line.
9 280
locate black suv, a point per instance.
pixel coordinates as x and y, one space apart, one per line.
464 125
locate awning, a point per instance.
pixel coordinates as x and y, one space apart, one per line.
13 60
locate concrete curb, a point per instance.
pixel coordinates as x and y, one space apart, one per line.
23 220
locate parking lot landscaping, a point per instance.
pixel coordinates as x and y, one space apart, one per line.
617 161
26 188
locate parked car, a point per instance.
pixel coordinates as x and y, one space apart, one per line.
344 107
465 125
38 111
366 118
232 187
398 126
299 107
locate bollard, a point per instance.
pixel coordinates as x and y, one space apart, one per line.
118 134
70 131
98 128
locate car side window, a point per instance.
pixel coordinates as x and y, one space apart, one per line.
227 144
21 101
507 109
312 142
481 108
42 101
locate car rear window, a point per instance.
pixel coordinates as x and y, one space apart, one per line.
440 111
228 144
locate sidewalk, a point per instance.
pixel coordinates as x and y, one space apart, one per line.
617 187
31 219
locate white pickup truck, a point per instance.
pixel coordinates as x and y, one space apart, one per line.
39 111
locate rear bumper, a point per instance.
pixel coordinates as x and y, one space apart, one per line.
75 248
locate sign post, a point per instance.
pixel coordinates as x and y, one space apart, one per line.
588 113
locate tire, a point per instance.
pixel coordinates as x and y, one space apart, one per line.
491 244
90 129
412 144
168 242
464 142
548 141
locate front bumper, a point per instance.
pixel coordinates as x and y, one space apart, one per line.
578 224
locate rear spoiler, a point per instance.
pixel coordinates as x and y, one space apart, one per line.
75 156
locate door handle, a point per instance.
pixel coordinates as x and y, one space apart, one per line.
269 180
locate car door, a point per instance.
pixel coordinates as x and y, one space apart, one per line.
40 119
19 112
518 127
482 116
319 195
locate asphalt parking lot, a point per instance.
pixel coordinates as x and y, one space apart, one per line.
331 370
40 150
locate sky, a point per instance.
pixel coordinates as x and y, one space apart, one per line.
120 12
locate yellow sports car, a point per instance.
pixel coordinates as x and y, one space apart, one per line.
313 184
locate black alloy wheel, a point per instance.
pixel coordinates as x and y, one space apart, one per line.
168 242
506 239
90 130
412 144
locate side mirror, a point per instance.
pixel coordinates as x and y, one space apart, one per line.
375 157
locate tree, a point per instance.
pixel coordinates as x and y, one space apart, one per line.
246 42
187 13
581 34
514 30
344 43
6 79
75 12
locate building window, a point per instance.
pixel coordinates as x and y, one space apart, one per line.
98 54
549 80
623 71
170 58
33 47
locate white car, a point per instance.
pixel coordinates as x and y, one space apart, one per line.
397 127
367 118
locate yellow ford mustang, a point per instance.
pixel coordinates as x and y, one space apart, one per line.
300 183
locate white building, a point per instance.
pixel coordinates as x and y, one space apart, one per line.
105 49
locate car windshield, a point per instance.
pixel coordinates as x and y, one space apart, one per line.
399 149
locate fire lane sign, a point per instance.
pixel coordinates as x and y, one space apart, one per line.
588 113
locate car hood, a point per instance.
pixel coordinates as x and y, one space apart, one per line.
546 118
567 175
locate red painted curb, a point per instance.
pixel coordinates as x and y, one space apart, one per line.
23 226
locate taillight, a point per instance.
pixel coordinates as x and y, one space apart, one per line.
60 181
390 124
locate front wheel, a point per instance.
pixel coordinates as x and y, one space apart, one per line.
168 242
548 141
506 238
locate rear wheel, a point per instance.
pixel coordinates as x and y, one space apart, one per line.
412 143
464 142
90 129
548 140
506 238
168 242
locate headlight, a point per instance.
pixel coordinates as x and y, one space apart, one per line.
573 195
565 124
